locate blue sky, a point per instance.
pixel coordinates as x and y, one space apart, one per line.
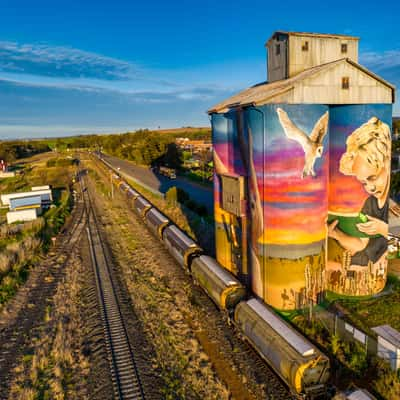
95 66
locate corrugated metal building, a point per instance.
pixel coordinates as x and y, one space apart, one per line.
23 203
312 144
45 195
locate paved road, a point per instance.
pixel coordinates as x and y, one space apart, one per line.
199 193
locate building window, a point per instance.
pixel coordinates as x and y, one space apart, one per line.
278 49
305 46
345 82
343 48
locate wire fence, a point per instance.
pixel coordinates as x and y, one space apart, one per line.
336 325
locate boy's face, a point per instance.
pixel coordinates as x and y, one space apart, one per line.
375 182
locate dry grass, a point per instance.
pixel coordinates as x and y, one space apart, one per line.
57 369
26 228
164 308
17 253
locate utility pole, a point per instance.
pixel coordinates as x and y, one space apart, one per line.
112 187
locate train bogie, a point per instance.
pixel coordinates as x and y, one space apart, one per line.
180 245
223 288
141 205
156 221
299 363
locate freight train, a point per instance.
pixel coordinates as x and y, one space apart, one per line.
303 368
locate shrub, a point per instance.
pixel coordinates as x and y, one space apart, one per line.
176 195
172 196
59 162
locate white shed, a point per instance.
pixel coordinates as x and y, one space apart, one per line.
23 215
43 187
388 344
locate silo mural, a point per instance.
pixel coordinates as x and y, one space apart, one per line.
312 147
291 171
302 161
359 182
227 162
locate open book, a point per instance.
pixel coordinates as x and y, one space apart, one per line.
348 223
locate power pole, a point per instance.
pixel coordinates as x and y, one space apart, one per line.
112 186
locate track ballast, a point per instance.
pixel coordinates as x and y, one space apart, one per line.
124 372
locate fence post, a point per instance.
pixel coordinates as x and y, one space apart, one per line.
335 326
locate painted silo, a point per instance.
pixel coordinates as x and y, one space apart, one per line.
230 230
290 154
302 172
359 181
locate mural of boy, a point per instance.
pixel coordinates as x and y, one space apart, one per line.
357 261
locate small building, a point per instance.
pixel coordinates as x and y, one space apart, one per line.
285 162
3 166
45 196
43 187
195 146
290 53
4 171
389 345
22 215
23 203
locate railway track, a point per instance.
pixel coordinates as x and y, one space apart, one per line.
25 311
226 351
125 375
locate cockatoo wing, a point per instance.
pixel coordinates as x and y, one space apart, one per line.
291 130
320 129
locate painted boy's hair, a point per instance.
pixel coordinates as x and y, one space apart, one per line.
372 142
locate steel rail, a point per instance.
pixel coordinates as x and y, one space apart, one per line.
124 372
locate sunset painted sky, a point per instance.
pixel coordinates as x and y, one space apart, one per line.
295 209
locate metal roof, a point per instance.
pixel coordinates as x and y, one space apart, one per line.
43 187
5 198
25 201
388 333
300 344
360 394
259 94
312 34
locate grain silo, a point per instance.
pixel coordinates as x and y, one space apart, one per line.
302 168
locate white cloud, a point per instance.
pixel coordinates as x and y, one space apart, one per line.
47 60
381 61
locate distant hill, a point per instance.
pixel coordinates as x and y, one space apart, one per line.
183 130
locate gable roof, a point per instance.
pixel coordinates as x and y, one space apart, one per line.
260 94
